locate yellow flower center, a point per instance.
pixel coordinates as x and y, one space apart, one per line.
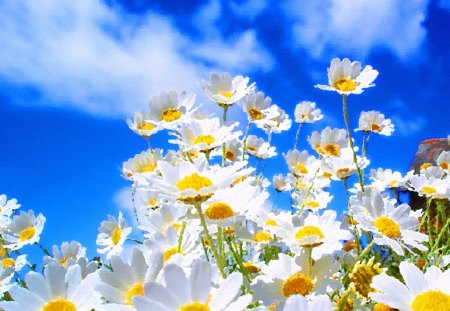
152 202
8 262
136 290
431 300
301 168
428 190
297 284
381 307
308 231
349 245
255 114
195 306
362 275
229 154
345 84
219 210
393 182
343 171
332 150
375 127
168 253
194 181
204 139
2 251
59 304
170 115
312 204
176 226
147 168
444 165
145 126
225 93
63 261
271 222
251 267
26 234
115 236
425 165
387 227
327 175
262 236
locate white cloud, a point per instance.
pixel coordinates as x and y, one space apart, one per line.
405 126
249 9
99 59
354 28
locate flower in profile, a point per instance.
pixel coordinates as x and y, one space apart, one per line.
277 122
113 233
181 291
257 147
141 126
329 142
143 163
306 112
225 90
24 229
255 105
300 163
383 179
362 275
374 122
421 291
346 77
57 289
443 161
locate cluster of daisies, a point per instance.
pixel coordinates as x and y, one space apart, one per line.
209 237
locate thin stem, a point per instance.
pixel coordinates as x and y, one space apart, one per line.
244 142
297 135
344 109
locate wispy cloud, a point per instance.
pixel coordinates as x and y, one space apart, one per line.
101 60
406 123
354 28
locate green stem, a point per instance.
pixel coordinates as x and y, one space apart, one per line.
244 141
297 135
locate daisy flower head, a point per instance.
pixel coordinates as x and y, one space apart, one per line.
24 229
288 276
374 122
420 292
343 166
169 214
7 207
329 142
300 163
180 291
280 183
346 77
224 90
142 164
141 126
233 150
429 186
255 105
167 110
387 178
112 236
257 147
443 161
278 121
69 254
312 200
394 226
16 264
306 112
57 289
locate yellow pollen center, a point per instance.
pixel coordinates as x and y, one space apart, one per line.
8 262
195 306
362 275
2 251
297 284
219 210
444 165
194 181
332 150
115 236
345 84
170 115
168 253
431 300
136 290
146 126
271 222
428 190
251 267
301 168
225 93
152 202
229 154
176 226
63 261
393 182
381 307
343 171
327 175
255 114
204 139
147 168
252 148
308 231
26 234
312 204
387 227
375 127
59 304
262 236
425 165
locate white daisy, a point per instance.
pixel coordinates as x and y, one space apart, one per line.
443 161
329 142
421 291
346 77
278 121
428 186
166 216
141 164
225 90
180 292
374 121
7 207
300 163
141 126
113 234
255 106
306 112
24 229
257 147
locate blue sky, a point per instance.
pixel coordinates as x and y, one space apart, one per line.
71 72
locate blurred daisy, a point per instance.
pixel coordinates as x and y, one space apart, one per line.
346 77
383 179
300 163
421 291
24 229
306 112
329 142
225 90
443 161
167 110
391 225
141 164
168 215
257 147
374 121
17 264
280 121
141 126
343 166
280 183
57 289
313 200
428 186
113 234
7 207
69 254
181 292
